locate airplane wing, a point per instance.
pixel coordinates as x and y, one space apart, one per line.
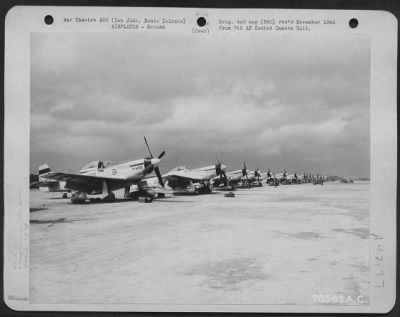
188 175
159 189
85 183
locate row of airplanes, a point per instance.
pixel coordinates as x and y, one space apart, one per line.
98 180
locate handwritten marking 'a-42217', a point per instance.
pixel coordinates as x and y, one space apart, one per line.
379 261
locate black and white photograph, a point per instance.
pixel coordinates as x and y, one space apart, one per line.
168 168
257 169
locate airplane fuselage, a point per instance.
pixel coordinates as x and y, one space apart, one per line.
210 170
234 175
187 181
128 171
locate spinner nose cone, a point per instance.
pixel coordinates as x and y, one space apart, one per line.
155 161
223 167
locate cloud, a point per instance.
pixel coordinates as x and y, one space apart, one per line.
278 101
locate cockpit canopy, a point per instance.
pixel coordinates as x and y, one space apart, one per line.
96 165
179 168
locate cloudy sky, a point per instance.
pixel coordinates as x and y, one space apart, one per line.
294 102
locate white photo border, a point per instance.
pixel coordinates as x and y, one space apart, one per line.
380 26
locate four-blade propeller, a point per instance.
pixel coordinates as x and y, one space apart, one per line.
220 172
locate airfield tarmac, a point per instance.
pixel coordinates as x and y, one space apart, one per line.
267 245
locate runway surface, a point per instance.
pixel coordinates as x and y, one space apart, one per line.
267 245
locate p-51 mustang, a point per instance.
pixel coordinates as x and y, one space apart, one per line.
98 178
272 180
283 177
183 180
250 178
194 181
230 180
318 180
293 179
259 177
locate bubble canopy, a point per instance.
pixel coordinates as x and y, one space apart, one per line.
97 164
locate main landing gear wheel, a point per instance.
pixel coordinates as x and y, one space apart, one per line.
148 199
78 198
110 197
132 196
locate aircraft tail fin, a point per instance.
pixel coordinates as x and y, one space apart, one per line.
43 170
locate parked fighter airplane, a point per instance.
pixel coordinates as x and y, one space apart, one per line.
250 178
318 180
301 178
231 180
50 185
292 179
282 177
272 180
304 179
259 177
97 178
182 180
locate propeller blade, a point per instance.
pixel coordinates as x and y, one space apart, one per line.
225 179
160 180
244 170
161 155
222 176
218 169
151 155
219 164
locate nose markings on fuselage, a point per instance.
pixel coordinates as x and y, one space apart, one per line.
136 166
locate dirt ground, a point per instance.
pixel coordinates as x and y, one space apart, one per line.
284 245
